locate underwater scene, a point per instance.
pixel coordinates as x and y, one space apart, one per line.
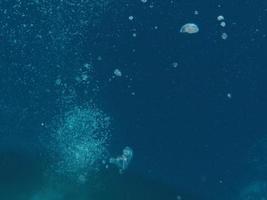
133 100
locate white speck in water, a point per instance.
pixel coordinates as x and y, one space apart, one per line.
99 58
175 64
58 82
87 65
131 18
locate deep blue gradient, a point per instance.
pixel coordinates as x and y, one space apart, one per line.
189 137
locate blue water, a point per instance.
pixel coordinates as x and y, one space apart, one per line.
191 106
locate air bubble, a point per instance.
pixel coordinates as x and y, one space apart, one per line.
189 28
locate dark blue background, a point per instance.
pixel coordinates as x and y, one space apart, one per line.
183 128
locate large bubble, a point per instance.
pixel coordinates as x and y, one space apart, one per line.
79 142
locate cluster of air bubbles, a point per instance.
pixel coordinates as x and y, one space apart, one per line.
82 78
220 19
79 141
118 74
84 74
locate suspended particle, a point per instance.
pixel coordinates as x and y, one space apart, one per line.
196 12
87 66
175 64
99 58
179 197
131 18
189 28
58 82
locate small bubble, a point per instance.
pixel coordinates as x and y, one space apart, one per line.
224 36
179 197
175 64
87 65
223 24
58 81
220 18
84 77
117 72
99 58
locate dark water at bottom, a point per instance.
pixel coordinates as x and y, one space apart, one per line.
27 181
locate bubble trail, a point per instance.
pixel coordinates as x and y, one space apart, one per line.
79 142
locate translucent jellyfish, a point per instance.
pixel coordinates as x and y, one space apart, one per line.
189 28
123 161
